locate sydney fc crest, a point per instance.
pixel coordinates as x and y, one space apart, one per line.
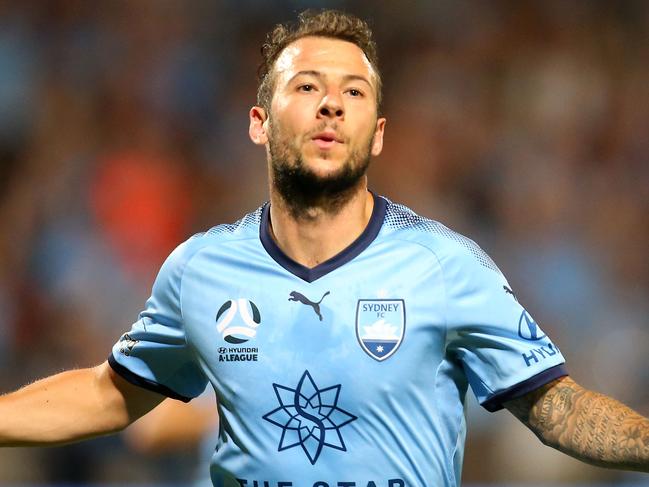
380 326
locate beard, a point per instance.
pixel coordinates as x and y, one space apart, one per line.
302 189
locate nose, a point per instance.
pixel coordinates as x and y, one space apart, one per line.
331 107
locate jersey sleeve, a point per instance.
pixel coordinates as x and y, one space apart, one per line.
503 351
155 354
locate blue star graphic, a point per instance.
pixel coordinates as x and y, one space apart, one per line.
309 417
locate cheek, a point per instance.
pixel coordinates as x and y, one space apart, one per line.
287 122
278 105
284 138
365 134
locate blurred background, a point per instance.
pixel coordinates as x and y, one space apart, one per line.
123 130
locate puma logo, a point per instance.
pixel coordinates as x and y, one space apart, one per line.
295 296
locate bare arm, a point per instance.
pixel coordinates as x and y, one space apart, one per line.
72 406
586 425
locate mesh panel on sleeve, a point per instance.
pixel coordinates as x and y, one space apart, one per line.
399 216
251 219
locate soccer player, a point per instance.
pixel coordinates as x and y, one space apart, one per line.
340 331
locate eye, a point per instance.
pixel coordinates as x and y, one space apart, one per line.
354 92
306 88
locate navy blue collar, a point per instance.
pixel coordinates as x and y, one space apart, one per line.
311 274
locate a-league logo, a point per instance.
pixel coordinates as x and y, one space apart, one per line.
238 320
380 326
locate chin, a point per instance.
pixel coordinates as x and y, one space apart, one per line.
327 173
324 166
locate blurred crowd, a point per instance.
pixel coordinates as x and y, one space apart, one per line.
123 130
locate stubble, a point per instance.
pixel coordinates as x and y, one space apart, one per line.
301 189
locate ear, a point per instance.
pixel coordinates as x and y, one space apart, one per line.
258 126
377 141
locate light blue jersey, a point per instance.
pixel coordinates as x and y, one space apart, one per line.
350 374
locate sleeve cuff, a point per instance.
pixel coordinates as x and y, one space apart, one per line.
495 402
142 382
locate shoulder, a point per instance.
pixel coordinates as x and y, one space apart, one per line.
449 246
245 228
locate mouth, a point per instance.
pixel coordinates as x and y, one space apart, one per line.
326 140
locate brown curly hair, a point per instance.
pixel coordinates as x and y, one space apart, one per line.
324 23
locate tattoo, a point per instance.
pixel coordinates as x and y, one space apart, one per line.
587 425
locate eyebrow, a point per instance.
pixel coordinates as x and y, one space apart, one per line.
320 75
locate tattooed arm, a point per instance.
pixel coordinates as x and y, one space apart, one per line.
586 425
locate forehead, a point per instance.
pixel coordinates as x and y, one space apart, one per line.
323 54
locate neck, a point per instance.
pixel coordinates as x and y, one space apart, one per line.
317 234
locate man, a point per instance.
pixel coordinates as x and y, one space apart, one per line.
340 331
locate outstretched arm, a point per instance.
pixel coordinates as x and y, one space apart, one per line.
72 406
589 426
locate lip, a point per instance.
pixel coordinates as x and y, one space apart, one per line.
328 135
324 144
326 139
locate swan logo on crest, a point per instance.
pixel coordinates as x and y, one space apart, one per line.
238 320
